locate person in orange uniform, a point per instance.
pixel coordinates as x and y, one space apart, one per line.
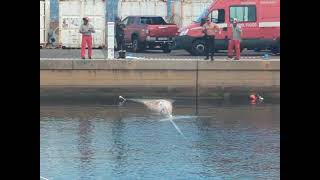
86 30
234 43
209 29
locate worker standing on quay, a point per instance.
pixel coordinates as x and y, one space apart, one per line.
209 29
86 30
234 42
120 34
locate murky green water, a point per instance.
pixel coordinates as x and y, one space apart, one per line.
226 141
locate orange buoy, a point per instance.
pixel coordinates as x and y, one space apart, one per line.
253 97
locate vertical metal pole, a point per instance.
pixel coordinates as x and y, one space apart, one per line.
169 11
181 13
46 19
82 14
110 27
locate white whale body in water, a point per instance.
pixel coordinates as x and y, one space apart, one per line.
161 106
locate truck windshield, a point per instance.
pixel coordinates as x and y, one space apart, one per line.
152 20
204 14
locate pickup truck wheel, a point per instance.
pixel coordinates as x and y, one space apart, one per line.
135 44
198 48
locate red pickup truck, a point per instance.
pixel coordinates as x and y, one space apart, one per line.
149 32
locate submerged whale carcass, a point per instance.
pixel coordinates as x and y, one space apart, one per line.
160 106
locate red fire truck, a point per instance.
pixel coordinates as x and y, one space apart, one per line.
260 21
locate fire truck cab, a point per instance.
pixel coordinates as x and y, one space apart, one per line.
259 19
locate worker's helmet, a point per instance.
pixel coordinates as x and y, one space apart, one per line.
235 20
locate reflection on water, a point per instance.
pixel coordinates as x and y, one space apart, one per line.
111 142
84 146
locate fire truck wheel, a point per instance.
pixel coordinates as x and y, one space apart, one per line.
198 48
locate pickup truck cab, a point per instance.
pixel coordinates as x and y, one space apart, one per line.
149 32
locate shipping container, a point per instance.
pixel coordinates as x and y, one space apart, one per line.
183 11
44 21
186 11
71 13
142 7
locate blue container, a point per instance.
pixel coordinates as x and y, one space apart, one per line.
265 56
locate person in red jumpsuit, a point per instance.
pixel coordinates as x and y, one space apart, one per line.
86 30
234 42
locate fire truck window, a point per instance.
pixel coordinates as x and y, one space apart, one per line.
252 13
214 16
243 13
217 16
221 16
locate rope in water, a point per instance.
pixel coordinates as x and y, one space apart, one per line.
44 178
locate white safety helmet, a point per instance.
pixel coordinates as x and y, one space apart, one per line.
235 20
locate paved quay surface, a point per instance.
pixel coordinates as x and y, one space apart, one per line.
46 54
